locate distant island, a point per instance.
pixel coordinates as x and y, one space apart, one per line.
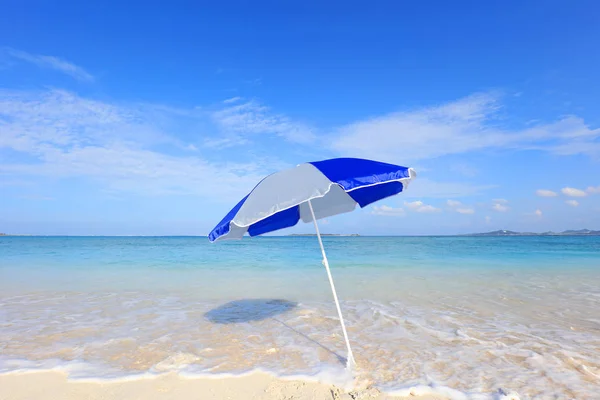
580 232
323 234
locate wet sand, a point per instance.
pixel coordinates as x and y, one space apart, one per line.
255 386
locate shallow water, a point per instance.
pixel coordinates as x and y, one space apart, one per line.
472 314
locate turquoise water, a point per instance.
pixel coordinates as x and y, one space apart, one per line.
294 252
471 313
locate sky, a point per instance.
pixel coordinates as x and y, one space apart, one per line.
140 118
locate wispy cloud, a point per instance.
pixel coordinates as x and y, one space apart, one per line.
572 203
453 203
592 189
420 207
464 169
225 142
466 125
388 211
123 148
15 182
425 187
538 213
232 100
465 210
253 118
488 219
572 192
546 193
36 197
254 82
51 62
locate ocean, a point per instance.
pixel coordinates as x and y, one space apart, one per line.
469 316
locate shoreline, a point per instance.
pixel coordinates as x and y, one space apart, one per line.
333 235
34 385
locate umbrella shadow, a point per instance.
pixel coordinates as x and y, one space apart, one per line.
249 310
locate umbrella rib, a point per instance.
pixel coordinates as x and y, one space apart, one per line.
350 362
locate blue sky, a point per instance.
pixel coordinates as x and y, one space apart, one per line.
140 118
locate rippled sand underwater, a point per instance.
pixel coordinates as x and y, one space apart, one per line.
536 331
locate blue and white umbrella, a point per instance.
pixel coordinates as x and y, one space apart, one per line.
309 192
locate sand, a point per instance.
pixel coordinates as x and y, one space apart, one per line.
256 386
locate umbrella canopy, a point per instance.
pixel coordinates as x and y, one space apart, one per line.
309 192
332 186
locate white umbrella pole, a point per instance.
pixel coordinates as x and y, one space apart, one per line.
351 362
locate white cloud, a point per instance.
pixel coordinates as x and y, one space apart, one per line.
572 192
225 142
488 219
572 203
428 209
424 187
537 214
414 204
388 211
546 193
232 100
462 126
464 169
252 118
420 207
51 62
499 207
459 208
61 135
592 189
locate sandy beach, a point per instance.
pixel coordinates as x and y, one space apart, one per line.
256 386
162 318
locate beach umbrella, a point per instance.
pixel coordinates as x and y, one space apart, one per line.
309 192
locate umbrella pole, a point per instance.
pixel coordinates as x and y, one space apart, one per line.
350 362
